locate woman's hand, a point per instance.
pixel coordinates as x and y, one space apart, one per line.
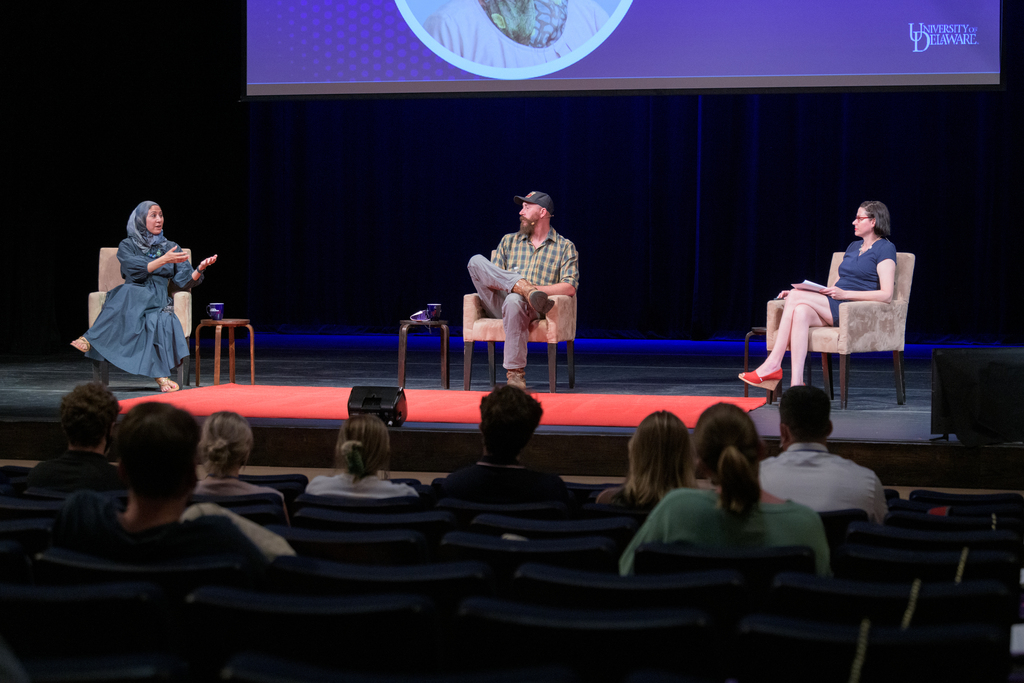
173 256
783 294
835 293
206 263
203 265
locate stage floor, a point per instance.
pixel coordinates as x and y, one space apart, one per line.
33 386
894 440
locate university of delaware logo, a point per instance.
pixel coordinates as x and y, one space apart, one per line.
928 35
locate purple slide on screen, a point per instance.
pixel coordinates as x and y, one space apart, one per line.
360 47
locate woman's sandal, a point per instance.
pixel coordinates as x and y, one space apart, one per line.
167 385
82 344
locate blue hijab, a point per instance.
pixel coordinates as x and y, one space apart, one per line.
146 241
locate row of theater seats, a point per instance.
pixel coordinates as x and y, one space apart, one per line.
748 619
446 618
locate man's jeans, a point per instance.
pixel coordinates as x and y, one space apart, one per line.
515 312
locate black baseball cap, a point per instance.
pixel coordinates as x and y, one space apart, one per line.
540 198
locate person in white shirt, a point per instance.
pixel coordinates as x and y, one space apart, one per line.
364 453
515 33
806 473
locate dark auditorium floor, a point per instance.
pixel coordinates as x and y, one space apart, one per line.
33 386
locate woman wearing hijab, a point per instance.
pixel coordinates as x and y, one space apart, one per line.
137 330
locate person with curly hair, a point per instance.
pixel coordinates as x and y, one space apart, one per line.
87 416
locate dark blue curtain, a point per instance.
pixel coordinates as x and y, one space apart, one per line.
689 211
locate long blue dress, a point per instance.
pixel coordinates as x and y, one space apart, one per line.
137 330
859 272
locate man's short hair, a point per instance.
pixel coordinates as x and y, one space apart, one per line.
157 445
87 413
508 417
805 410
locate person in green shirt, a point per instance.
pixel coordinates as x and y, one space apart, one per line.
737 513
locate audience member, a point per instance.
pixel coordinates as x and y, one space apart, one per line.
157 447
660 459
805 472
224 449
508 418
738 513
363 451
87 415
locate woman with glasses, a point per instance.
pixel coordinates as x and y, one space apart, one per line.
867 273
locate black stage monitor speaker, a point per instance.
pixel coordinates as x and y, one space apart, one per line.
387 403
978 394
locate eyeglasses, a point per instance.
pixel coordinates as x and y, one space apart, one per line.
862 218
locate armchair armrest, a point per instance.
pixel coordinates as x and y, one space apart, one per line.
96 301
561 318
183 309
872 326
774 317
472 310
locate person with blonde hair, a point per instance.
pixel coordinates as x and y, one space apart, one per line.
364 453
660 459
738 513
224 449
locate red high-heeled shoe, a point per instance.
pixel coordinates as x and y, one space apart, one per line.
769 381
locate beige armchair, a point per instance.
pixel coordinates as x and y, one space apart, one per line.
557 326
110 277
864 326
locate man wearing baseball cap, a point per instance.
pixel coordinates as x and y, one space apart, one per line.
528 266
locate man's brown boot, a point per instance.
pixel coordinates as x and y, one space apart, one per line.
517 378
538 299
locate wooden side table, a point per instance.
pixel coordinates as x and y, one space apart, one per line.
403 338
231 324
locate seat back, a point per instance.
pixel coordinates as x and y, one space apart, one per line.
925 522
60 566
14 563
397 505
33 533
798 651
109 270
21 508
619 529
595 553
81 620
361 631
904 273
433 524
758 565
446 583
109 276
846 601
466 510
837 522
388 547
899 538
868 563
601 645
721 593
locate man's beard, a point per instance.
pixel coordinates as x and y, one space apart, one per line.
526 226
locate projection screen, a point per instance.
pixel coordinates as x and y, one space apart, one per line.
323 48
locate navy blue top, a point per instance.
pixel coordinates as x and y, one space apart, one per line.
859 272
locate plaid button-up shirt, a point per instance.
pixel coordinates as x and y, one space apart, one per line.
555 261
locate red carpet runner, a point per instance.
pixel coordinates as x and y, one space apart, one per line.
331 403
